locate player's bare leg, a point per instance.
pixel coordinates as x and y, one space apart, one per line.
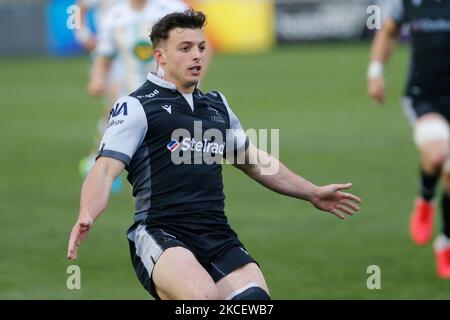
245 282
442 243
431 134
179 276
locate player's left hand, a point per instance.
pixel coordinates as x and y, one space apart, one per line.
330 198
79 233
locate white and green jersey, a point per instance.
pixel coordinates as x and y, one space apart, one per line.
124 35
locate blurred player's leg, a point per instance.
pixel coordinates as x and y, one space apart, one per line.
431 135
442 252
442 242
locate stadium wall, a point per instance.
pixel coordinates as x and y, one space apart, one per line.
22 27
316 20
39 26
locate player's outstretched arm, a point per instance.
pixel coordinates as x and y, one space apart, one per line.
330 198
382 48
94 199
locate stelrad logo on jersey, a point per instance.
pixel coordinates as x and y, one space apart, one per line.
173 145
205 147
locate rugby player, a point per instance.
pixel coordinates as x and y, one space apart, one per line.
426 104
182 246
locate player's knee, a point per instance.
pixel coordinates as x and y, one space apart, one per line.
252 293
435 156
206 292
436 159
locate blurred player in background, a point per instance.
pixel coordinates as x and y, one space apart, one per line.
123 55
89 39
87 36
426 104
123 35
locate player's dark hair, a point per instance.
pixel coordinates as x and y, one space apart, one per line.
190 19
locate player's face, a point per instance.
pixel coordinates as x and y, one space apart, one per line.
184 57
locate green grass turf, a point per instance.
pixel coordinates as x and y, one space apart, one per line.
329 130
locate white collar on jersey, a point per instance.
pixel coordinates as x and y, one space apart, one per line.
160 82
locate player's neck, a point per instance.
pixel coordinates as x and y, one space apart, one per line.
185 90
180 87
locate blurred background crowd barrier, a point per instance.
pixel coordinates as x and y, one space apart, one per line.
40 26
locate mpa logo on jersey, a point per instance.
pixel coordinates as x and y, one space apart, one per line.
173 145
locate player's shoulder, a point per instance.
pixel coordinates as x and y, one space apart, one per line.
126 111
124 105
217 99
148 93
215 96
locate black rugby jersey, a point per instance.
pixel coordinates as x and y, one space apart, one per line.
173 153
429 21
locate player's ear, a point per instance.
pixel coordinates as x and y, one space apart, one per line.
160 56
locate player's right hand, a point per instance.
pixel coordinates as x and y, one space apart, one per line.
78 234
96 88
376 89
